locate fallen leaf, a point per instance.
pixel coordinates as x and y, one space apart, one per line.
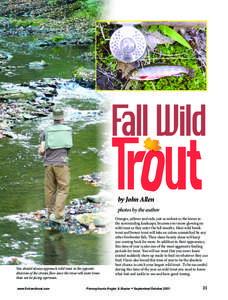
92 226
151 145
156 38
125 67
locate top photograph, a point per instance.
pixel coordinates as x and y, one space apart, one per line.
151 55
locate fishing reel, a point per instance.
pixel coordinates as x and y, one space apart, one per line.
127 44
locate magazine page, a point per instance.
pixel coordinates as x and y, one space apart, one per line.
111 170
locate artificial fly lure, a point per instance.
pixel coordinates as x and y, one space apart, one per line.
160 71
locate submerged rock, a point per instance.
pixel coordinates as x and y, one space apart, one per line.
88 56
10 74
100 179
37 64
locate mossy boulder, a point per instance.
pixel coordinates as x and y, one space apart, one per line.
99 219
17 95
85 77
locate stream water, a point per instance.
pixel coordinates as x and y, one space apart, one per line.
61 60
22 171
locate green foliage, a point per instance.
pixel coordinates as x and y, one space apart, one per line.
93 7
24 22
53 2
174 35
171 34
87 8
57 38
79 73
153 28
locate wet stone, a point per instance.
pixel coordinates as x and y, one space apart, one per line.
15 94
85 77
98 178
92 218
37 64
81 217
10 74
26 101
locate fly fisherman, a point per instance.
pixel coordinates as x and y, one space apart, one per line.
56 142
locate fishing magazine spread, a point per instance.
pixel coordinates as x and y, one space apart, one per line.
131 199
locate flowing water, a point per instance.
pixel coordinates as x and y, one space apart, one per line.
22 172
61 60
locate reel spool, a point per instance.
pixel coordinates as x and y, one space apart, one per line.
127 44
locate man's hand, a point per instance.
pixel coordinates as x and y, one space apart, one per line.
42 148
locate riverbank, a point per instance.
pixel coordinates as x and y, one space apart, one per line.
45 24
90 214
56 21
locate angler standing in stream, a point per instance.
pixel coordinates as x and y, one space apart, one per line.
56 142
